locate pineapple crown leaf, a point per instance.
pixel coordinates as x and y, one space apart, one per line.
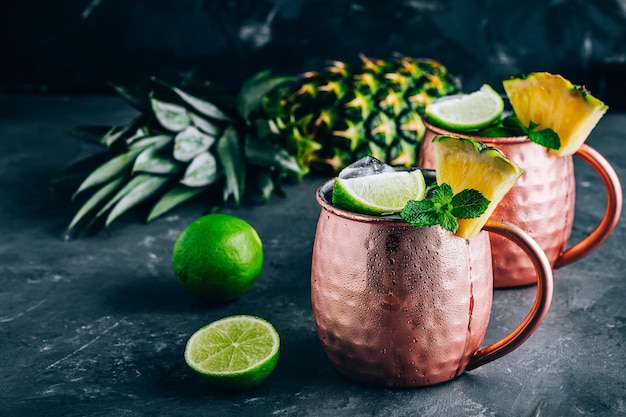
254 89
136 97
206 108
92 134
109 170
142 190
231 158
172 198
99 197
261 152
202 171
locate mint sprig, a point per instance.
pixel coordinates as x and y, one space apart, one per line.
441 206
544 137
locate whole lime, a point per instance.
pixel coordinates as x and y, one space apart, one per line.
217 257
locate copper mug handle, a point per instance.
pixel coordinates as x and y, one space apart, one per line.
543 297
611 214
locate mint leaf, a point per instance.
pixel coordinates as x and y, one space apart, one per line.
544 137
512 123
420 213
448 221
442 194
441 206
469 204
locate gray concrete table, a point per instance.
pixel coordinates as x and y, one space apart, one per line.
97 326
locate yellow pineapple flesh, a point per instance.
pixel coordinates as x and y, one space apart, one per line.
553 102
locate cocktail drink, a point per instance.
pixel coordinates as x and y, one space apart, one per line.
542 202
404 306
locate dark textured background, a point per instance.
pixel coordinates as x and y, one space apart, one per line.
79 46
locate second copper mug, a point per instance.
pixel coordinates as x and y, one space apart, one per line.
400 306
542 203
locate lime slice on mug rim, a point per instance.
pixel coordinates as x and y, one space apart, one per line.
465 112
379 194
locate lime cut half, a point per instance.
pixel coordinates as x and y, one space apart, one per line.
464 112
236 352
379 194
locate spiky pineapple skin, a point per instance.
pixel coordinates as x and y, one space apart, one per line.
333 117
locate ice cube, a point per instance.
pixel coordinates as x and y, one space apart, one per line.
365 166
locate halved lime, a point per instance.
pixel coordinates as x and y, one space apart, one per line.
236 352
463 112
378 194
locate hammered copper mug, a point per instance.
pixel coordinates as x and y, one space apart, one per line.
542 203
400 306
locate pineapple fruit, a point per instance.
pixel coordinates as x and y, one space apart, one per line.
234 147
466 163
553 102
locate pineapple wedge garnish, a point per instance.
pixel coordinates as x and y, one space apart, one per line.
552 102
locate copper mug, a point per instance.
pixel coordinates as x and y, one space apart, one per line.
542 202
400 306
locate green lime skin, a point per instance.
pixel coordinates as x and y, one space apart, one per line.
217 257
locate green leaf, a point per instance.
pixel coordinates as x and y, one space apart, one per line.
546 137
230 156
174 197
254 89
191 142
469 204
265 184
447 221
204 124
92 203
158 141
202 171
150 161
442 194
262 152
222 99
136 97
92 134
125 132
421 213
171 116
207 108
134 182
144 189
443 207
81 168
109 170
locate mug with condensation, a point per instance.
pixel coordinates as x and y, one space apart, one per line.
542 203
400 306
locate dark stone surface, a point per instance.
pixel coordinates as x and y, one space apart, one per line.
83 45
97 326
